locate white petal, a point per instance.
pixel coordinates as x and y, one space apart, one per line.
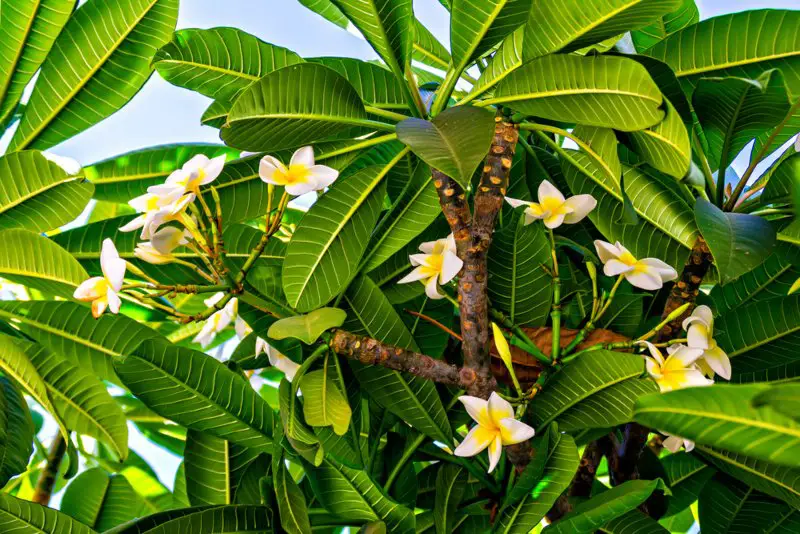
213 299
299 189
688 445
323 176
615 267
241 327
719 362
704 314
428 246
414 276
288 367
515 203
196 163
673 444
167 239
180 204
451 266
495 452
581 206
261 345
213 169
548 190
654 352
88 290
666 272
499 409
697 336
554 221
148 253
653 367
644 280
694 378
133 224
114 301
476 440
432 288
478 409
303 156
687 356
513 431
605 250
112 265
206 335
141 202
450 244
419 259
99 306
267 167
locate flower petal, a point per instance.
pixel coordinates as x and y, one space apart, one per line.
414 276
614 267
261 345
212 169
288 367
99 306
718 361
299 189
112 265
495 452
702 314
167 239
685 355
513 431
303 156
196 163
666 272
267 168
114 301
581 206
697 336
91 289
499 409
432 288
605 250
478 409
476 440
323 176
451 266
644 280
554 221
548 190
673 444
428 246
515 202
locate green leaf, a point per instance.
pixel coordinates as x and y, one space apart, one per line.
784 179
614 92
307 328
27 31
665 146
542 444
100 500
412 399
301 438
602 146
291 501
727 505
216 114
325 250
738 242
68 328
724 416
784 399
573 24
597 511
454 142
427 49
16 431
231 519
387 25
35 261
477 25
219 62
37 195
519 285
686 476
685 15
451 482
286 109
324 404
81 401
352 494
214 468
507 59
89 74
562 461
375 84
767 40
733 111
17 515
327 10
596 390
197 391
123 177
634 521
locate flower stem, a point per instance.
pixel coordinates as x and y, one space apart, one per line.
555 313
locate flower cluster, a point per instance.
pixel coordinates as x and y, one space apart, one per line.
220 319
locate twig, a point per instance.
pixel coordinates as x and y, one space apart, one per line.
434 322
47 478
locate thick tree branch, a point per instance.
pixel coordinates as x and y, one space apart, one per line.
47 479
453 201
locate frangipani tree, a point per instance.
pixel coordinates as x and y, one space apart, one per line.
520 276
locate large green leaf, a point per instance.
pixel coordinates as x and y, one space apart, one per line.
353 495
17 515
90 73
739 242
767 38
291 501
733 111
100 500
375 84
599 510
197 391
609 91
219 62
16 431
37 195
35 261
68 328
686 476
388 25
782 182
665 146
519 285
411 398
784 398
214 468
427 49
454 142
723 416
27 31
727 505
573 24
685 15
123 177
81 401
507 59
301 437
451 483
596 390
477 25
231 519
281 111
325 250
324 403
560 466
327 10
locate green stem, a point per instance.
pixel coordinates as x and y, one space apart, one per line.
677 312
555 313
521 340
444 92
609 299
704 166
385 113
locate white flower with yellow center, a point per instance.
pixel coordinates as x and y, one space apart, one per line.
198 171
301 176
101 291
276 359
553 208
218 321
158 250
677 370
438 264
647 273
674 443
156 210
699 328
496 427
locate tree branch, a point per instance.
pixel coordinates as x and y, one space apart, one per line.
47 479
453 201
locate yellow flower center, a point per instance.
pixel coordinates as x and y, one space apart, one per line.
152 203
295 174
554 206
433 265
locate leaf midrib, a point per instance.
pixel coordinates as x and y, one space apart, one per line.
729 64
12 68
745 467
566 92
778 429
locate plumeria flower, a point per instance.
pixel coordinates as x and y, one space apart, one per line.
496 427
276 359
647 273
155 211
102 291
301 176
674 443
161 245
699 328
677 370
218 321
197 172
438 264
553 208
